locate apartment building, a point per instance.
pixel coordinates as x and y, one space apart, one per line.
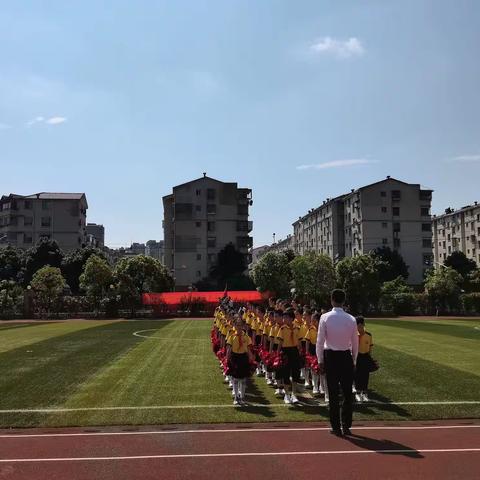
283 245
25 219
388 213
155 249
95 235
457 231
200 218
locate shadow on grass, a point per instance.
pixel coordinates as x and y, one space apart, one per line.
21 325
371 408
255 395
383 447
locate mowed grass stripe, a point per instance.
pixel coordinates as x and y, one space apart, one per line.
51 371
18 338
456 352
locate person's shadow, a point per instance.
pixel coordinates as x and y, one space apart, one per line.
383 447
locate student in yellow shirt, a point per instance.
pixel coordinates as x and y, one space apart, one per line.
277 323
289 345
362 370
239 355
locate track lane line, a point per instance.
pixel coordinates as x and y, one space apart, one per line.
245 454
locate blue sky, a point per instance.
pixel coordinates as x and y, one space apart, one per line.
298 100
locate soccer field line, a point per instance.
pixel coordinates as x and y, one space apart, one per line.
241 454
177 339
222 405
240 430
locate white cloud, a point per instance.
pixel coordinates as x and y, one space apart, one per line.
56 120
339 48
336 164
466 158
35 120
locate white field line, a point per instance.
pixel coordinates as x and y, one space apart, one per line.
232 431
244 454
177 339
224 405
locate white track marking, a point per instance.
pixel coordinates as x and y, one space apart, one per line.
224 405
139 332
232 430
245 454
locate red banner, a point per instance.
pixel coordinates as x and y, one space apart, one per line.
175 298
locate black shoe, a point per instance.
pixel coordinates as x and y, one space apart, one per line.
337 433
347 432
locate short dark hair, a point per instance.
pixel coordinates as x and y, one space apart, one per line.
338 296
316 316
289 312
307 310
360 320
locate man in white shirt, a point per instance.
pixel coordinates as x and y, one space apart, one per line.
337 349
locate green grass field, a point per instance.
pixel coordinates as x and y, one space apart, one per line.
91 368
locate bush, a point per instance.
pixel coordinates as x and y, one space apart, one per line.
470 302
399 303
11 299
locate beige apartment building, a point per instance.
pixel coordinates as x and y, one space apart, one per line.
388 213
25 219
457 231
200 218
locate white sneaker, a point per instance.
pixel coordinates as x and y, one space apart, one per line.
315 391
307 384
230 385
294 399
226 380
287 399
326 398
236 402
233 394
359 398
269 381
274 383
365 397
282 391
354 390
278 392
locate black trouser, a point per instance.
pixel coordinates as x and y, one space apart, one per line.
339 372
362 372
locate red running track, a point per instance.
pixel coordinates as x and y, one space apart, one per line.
446 450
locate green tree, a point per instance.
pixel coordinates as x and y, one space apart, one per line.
48 284
73 265
459 262
358 276
46 252
96 279
398 285
314 277
272 274
140 274
11 263
11 298
397 297
443 287
390 264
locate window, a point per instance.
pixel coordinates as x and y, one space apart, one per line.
396 227
198 208
384 224
427 260
27 204
449 249
199 256
427 243
396 194
210 194
425 211
384 241
28 220
396 242
444 244
44 237
45 204
396 211
211 208
426 227
211 242
27 239
199 273
198 192
198 224
384 209
211 226
46 221
448 237
383 194
212 258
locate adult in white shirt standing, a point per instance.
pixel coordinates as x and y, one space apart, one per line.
337 349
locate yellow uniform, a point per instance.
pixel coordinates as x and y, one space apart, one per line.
302 333
274 332
311 334
365 343
239 341
289 336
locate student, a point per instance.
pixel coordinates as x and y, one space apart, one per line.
289 345
311 342
362 372
277 379
239 356
305 321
